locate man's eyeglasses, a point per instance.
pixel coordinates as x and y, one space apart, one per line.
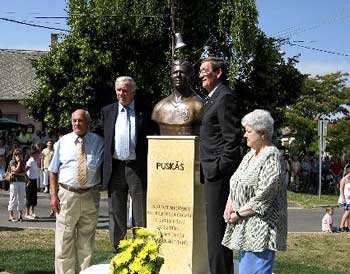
204 72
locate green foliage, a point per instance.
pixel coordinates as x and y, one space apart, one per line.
338 140
139 255
322 97
110 38
237 26
272 82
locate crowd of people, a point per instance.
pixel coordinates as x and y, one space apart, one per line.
24 160
303 174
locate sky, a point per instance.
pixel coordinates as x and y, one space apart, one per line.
318 30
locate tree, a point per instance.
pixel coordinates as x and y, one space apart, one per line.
338 140
323 97
109 38
272 82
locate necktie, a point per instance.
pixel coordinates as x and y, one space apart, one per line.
81 163
125 135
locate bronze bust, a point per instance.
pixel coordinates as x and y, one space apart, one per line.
180 112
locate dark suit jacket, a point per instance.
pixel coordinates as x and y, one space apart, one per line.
220 135
144 126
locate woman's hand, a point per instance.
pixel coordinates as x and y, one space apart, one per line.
234 219
228 210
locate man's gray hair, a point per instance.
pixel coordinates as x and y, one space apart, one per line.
259 120
86 114
127 79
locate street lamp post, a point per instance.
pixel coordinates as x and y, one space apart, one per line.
322 133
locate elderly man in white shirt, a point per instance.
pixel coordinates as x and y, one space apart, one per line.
75 174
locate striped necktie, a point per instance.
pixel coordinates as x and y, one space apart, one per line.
81 163
125 134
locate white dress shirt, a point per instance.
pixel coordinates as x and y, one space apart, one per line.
120 127
64 161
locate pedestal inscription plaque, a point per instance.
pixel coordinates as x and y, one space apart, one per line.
176 203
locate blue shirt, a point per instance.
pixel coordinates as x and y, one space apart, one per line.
64 161
121 127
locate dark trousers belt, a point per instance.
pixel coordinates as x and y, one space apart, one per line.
76 190
125 162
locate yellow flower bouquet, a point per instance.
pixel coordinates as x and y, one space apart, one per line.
138 255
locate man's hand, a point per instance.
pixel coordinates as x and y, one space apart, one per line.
55 203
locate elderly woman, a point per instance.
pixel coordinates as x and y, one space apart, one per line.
256 209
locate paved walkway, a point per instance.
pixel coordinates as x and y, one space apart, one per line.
299 220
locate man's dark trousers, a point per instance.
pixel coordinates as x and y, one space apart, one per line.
220 257
125 179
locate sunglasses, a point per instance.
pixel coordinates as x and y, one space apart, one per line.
18 153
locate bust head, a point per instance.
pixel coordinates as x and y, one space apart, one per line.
181 75
179 113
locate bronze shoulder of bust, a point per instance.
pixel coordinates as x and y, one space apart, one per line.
179 113
178 118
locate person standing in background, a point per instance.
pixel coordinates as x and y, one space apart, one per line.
295 174
32 169
344 201
17 185
2 147
47 155
38 147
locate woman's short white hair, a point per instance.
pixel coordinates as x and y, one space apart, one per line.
259 120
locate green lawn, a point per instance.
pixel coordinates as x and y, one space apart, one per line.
311 200
32 252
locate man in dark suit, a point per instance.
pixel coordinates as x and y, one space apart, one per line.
126 124
219 155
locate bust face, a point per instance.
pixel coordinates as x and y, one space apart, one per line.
180 77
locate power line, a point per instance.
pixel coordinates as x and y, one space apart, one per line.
51 17
32 25
319 50
292 31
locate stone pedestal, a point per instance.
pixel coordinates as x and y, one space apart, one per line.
176 203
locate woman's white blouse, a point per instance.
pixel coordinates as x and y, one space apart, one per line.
259 183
